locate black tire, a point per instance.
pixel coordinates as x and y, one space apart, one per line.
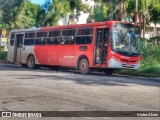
109 71
84 66
31 62
23 65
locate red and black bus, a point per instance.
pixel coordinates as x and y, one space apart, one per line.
105 46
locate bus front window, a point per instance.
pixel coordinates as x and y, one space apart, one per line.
125 42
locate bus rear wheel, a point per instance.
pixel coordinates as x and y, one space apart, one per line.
84 66
31 62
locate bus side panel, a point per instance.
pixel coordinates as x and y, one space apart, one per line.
66 55
26 51
39 54
10 56
88 53
52 54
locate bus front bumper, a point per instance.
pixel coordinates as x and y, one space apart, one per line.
112 63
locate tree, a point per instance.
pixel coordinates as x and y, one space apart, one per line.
143 12
148 11
16 14
100 12
154 11
8 10
59 9
56 10
30 15
79 6
108 10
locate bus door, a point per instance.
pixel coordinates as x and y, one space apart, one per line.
18 47
101 46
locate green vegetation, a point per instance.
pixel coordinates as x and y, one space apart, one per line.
19 14
3 56
151 59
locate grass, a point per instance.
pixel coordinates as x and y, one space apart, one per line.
153 70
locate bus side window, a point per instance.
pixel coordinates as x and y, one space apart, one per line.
43 41
30 35
28 42
53 41
83 39
12 35
41 34
85 31
57 40
68 40
69 32
68 36
12 42
37 41
54 33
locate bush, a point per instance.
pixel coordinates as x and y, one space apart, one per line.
155 40
150 62
3 55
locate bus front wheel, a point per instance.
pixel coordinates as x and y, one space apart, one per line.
31 62
84 66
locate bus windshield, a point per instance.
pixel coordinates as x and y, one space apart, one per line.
125 42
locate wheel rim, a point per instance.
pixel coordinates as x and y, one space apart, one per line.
31 62
84 65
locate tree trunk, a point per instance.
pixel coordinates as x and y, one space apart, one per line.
155 30
143 26
120 10
145 42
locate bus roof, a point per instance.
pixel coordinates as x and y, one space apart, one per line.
75 26
105 23
26 30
